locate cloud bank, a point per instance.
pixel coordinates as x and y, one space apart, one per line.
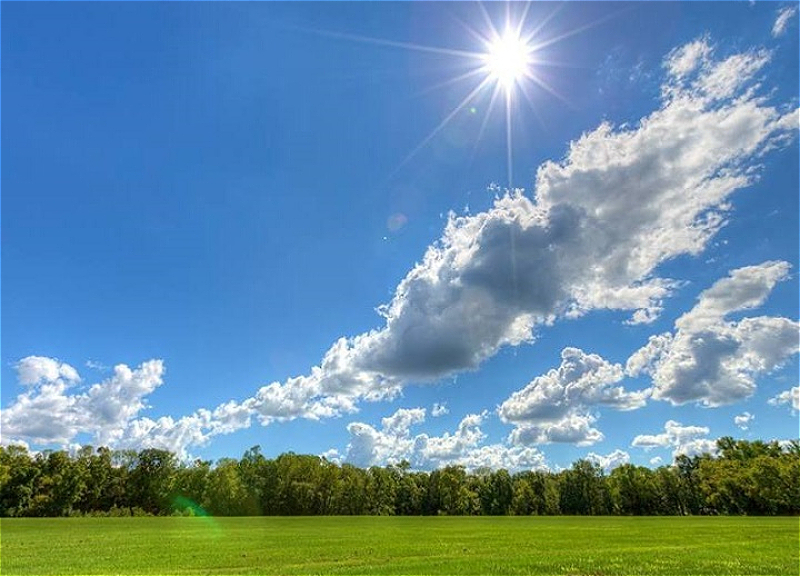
394 443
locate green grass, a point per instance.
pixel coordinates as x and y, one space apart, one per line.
374 545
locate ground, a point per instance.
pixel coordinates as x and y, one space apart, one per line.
407 545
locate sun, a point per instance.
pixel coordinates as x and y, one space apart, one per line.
507 60
506 66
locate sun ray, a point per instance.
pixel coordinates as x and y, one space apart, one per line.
443 123
394 43
532 105
508 63
485 121
542 23
509 148
493 33
521 20
451 81
574 31
552 91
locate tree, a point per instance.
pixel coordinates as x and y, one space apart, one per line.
496 493
583 490
151 481
19 476
60 485
225 493
634 490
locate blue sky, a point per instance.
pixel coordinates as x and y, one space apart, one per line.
287 224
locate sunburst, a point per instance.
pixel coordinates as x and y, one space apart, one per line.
506 65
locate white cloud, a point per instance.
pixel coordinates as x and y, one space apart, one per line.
791 397
714 361
688 58
573 428
99 366
782 20
439 409
34 370
687 440
555 407
743 420
609 461
8 442
393 443
114 402
168 434
656 460
48 412
332 455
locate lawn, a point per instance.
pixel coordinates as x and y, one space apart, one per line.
409 545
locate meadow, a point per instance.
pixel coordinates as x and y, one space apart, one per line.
401 545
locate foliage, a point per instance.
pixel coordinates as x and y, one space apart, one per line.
746 478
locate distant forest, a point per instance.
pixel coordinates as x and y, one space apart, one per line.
753 478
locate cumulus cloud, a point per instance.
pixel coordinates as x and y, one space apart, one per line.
743 420
572 428
656 460
714 361
609 461
110 412
393 443
48 412
686 440
34 370
590 236
782 20
556 406
791 397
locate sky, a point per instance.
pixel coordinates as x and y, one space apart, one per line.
491 235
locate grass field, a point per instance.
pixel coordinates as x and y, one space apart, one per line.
375 545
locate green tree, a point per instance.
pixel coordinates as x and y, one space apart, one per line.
225 493
151 481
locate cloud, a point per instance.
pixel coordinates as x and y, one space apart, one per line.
48 412
34 370
714 361
656 460
394 443
555 407
791 397
688 58
684 440
439 409
109 412
609 461
98 366
782 21
572 428
590 236
743 420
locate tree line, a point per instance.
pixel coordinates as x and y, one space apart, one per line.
743 477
